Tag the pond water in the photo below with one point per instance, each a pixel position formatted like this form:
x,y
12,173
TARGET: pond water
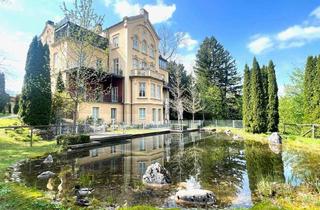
x,y
230,169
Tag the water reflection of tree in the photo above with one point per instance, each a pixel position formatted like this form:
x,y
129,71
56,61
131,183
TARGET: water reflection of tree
x,y
223,167
221,164
262,164
304,165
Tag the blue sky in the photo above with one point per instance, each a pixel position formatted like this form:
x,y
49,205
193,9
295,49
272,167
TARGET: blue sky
x,y
285,31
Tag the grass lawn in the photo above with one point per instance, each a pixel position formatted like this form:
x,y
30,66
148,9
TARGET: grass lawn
x,y
13,149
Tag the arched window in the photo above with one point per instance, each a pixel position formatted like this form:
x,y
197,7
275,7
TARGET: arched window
x,y
151,51
135,42
144,46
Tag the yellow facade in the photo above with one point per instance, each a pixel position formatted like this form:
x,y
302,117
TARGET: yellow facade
x,y
133,54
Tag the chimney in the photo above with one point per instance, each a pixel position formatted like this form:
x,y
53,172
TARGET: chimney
x,y
144,13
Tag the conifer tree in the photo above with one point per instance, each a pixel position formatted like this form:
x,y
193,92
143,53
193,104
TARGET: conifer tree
x,y
246,103
257,100
60,85
309,88
273,102
4,97
35,102
217,68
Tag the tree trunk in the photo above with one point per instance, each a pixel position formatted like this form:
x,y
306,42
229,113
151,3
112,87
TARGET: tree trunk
x,y
75,116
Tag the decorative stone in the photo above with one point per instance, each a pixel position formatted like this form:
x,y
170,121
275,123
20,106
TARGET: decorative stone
x,y
82,202
275,138
237,137
228,132
48,159
46,175
156,176
82,192
195,197
275,148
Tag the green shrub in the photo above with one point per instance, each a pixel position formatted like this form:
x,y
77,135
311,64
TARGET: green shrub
x,y
66,140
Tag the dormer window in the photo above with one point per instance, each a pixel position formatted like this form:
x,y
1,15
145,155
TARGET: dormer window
x,y
144,46
135,42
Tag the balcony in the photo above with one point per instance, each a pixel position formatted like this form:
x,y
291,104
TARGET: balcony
x,y
117,72
147,73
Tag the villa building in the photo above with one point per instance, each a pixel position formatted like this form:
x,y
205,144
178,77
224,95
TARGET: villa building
x,y
137,74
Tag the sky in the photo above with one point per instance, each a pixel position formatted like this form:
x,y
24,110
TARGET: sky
x,y
286,31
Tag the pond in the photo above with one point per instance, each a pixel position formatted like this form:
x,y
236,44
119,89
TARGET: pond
x,y
230,169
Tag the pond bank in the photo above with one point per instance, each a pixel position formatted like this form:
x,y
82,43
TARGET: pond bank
x,y
305,196
16,196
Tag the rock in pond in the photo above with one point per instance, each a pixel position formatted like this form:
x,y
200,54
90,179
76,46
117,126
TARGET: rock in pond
x,y
82,202
156,176
48,159
46,175
195,197
275,138
82,192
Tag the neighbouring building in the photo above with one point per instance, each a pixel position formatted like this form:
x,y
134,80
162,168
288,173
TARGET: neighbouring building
x,y
129,54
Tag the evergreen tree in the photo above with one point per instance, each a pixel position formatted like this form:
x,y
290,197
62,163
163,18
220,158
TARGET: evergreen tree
x,y
16,105
309,88
316,95
264,77
257,100
4,97
60,85
216,66
273,102
246,105
35,103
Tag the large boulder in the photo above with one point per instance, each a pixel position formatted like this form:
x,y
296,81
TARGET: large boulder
x,y
275,138
195,197
156,176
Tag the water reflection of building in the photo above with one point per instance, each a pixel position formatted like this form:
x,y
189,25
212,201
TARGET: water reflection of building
x,y
130,157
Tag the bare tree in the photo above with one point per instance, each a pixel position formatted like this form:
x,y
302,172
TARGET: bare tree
x,y
177,91
193,102
169,41
86,78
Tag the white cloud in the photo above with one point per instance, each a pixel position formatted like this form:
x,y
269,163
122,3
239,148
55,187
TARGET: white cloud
x,y
124,8
260,44
291,37
298,32
14,47
187,42
158,13
316,12
12,5
188,60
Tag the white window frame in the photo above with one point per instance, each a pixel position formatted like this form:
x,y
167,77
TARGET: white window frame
x,y
142,89
135,42
135,63
115,41
114,94
95,113
158,92
154,115
116,64
113,113
142,113
144,46
153,90
151,51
